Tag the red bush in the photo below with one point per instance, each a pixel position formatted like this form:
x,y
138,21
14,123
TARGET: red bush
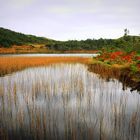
x,y
114,55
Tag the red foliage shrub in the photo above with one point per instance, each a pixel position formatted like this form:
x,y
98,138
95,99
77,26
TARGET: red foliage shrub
x,y
127,58
138,65
138,58
114,55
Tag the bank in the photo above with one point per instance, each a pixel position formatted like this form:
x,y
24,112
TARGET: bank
x,y
124,73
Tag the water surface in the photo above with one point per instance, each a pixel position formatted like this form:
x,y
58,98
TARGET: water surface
x,y
53,55
66,102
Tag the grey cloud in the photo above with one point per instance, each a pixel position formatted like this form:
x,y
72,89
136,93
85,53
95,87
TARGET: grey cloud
x,y
65,19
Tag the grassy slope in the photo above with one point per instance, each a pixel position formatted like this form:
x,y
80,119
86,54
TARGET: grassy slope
x,y
9,38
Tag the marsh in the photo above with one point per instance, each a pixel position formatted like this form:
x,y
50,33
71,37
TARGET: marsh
x,y
66,101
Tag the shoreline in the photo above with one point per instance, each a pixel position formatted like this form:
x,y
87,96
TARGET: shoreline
x,y
12,64
124,75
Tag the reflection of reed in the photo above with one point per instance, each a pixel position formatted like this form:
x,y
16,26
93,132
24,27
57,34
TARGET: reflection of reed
x,y
65,101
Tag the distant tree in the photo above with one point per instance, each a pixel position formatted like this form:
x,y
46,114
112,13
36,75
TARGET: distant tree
x,y
126,32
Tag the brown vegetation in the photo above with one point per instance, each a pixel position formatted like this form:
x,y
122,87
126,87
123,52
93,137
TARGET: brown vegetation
x,y
13,64
123,74
37,48
24,49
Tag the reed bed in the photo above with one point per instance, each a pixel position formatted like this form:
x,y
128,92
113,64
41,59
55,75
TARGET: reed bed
x,y
123,74
105,71
66,102
13,64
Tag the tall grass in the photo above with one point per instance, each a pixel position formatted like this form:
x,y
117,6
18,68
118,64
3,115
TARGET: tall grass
x,y
66,102
13,64
123,74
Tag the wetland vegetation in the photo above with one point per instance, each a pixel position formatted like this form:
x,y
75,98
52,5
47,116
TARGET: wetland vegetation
x,y
65,101
14,42
69,98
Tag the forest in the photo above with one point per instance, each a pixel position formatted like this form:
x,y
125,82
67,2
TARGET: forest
x,y
126,43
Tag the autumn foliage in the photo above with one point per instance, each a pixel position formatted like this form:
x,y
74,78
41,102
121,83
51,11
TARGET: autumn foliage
x,y
120,58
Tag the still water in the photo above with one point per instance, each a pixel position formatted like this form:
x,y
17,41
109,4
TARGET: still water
x,y
52,55
66,102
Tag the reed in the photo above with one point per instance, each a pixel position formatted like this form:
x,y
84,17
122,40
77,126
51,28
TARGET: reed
x,y
66,102
123,74
105,71
13,64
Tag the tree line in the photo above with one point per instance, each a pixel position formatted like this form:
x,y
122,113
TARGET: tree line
x,y
126,43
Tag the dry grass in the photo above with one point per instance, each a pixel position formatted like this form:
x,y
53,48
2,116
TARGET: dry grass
x,y
99,111
123,73
105,71
13,64
37,48
23,49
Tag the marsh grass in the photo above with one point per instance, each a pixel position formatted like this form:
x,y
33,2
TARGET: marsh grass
x,y
105,71
66,102
123,74
13,64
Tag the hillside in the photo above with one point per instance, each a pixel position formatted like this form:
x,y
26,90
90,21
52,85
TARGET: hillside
x,y
125,43
33,44
9,38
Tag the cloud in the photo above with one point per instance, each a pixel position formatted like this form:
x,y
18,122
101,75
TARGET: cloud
x,y
108,7
17,4
73,6
64,19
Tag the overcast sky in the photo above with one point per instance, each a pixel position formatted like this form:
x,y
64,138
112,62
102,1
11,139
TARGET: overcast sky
x,y
71,19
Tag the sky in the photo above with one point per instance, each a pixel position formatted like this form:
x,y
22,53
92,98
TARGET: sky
x,y
71,19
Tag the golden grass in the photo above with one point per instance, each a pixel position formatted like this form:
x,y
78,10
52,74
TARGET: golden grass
x,y
37,48
105,71
13,64
23,49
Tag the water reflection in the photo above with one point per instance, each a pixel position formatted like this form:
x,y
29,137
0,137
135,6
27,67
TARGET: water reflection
x,y
65,101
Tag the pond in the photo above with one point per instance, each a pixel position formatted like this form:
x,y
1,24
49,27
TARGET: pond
x,y
52,55
66,102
